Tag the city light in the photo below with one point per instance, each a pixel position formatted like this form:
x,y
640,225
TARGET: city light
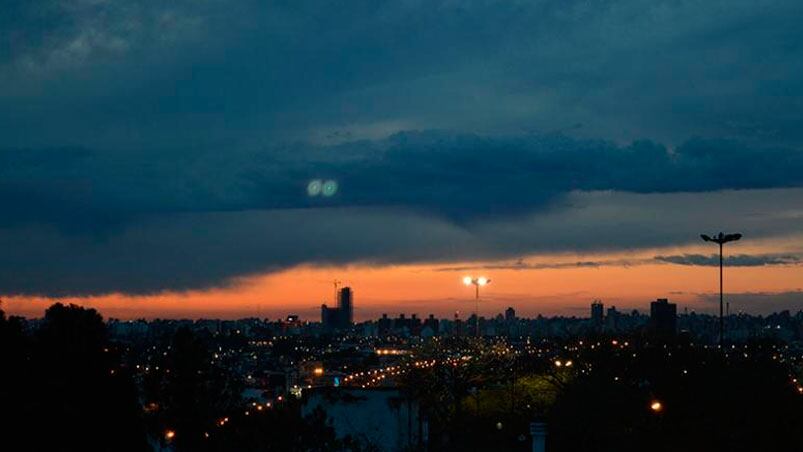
x,y
318,371
477,282
656,406
170,434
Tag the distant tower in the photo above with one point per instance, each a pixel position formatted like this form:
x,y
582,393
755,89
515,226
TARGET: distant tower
x,y
597,309
663,318
345,303
612,319
325,321
510,314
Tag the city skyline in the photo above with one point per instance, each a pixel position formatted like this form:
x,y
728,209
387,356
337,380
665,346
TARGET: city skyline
x,y
754,289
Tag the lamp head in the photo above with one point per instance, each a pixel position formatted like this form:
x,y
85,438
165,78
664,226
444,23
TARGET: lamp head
x,y
731,237
467,280
483,280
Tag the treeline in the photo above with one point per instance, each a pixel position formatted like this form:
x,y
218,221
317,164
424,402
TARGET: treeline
x,y
64,386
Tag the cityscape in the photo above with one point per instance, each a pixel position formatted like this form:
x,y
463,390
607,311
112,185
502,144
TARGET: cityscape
x,y
401,226
404,382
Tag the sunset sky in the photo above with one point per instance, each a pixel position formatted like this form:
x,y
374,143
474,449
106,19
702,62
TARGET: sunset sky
x,y
199,159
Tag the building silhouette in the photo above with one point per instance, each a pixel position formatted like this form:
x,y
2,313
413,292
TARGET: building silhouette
x,y
510,314
342,316
345,303
612,320
597,310
663,319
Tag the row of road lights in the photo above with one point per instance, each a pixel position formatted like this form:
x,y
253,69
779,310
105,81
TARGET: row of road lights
x,y
721,239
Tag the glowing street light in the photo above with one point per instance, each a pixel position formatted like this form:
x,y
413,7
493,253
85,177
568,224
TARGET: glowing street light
x,y
721,239
477,282
656,406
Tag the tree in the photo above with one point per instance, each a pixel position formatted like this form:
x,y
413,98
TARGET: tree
x,y
72,393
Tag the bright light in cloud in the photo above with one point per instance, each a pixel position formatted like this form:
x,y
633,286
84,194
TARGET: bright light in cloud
x,y
314,187
329,188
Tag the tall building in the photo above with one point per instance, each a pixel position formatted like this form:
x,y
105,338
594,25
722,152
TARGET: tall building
x,y
345,303
612,319
326,316
342,316
597,310
510,314
663,318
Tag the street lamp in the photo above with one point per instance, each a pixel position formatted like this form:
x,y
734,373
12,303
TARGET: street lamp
x,y
477,282
721,239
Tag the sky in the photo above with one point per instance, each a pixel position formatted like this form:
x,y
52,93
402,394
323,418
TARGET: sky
x,y
209,158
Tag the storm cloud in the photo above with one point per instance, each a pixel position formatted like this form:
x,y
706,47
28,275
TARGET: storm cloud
x,y
459,177
150,146
203,75
212,249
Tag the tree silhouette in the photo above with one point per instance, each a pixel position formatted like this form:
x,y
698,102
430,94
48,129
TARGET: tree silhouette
x,y
69,390
191,394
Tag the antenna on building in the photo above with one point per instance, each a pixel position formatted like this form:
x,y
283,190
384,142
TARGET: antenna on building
x,y
336,283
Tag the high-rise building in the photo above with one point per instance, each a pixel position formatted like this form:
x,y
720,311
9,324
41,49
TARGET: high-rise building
x,y
597,310
342,316
612,319
663,318
325,320
345,303
510,314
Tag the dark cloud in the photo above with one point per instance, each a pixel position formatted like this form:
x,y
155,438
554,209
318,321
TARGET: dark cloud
x,y
199,74
143,143
461,177
738,260
196,250
524,265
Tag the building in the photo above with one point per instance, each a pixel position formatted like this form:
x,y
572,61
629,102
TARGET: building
x,y
612,320
341,317
384,325
597,310
510,314
663,318
345,303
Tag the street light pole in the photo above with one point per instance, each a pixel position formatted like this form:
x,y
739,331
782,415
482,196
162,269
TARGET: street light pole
x,y
721,239
477,282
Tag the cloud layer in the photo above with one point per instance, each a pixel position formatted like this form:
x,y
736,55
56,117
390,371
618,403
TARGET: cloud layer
x,y
207,249
460,177
738,260
200,74
148,146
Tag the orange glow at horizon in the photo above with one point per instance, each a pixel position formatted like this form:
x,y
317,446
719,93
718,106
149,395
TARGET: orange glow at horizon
x,y
625,280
